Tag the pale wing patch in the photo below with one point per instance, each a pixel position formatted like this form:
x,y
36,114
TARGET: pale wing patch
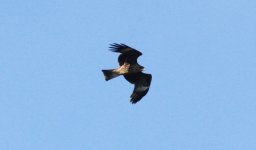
x,y
142,88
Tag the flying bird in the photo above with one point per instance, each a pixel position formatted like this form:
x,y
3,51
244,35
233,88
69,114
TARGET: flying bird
x,y
131,70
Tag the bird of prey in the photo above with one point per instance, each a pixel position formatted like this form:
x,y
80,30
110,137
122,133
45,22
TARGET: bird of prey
x,y
131,70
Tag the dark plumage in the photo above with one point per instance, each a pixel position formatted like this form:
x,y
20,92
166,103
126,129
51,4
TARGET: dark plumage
x,y
128,54
131,71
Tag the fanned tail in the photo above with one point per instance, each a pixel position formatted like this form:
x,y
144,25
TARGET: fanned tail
x,y
109,74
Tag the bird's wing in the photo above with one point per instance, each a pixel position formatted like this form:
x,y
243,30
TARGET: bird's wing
x,y
142,83
132,77
128,54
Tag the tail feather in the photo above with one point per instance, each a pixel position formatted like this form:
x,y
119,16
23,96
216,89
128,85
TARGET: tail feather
x,y
109,74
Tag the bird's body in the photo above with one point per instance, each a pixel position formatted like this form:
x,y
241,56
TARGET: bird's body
x,y
126,68
131,70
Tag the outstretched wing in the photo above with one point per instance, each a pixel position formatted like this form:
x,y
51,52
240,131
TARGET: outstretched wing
x,y
142,83
128,54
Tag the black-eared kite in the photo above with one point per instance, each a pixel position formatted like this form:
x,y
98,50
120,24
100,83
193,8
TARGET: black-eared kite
x,y
131,70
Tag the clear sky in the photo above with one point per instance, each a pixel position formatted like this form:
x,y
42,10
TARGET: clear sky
x,y
202,55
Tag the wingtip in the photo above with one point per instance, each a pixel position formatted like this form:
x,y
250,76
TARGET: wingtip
x,y
115,47
133,102
134,98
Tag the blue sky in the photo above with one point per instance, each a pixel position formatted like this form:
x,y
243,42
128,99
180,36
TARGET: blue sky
x,y
202,55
